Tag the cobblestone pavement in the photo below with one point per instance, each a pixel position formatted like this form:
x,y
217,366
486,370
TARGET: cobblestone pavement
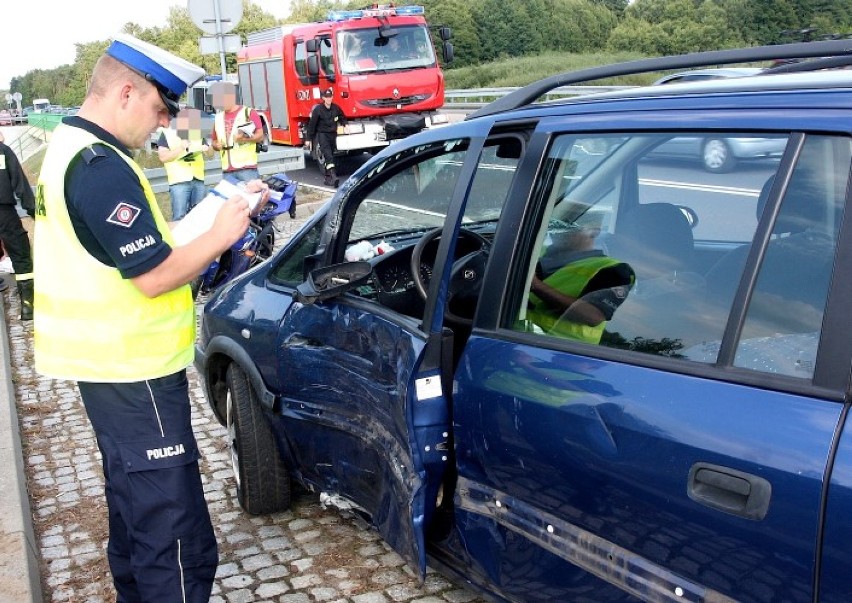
x,y
306,554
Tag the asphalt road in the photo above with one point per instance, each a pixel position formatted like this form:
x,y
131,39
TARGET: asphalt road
x,y
346,166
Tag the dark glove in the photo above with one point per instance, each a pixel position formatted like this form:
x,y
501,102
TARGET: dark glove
x,y
31,212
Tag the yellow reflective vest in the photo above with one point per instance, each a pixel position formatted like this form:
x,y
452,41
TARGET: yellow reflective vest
x,y
186,168
570,280
90,323
239,155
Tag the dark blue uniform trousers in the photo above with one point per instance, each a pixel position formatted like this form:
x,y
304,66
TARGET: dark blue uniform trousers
x,y
161,543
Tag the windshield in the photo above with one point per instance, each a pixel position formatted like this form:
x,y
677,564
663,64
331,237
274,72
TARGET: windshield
x,y
364,50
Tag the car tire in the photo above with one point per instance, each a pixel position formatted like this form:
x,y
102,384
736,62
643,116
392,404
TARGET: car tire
x,y
263,480
316,155
716,156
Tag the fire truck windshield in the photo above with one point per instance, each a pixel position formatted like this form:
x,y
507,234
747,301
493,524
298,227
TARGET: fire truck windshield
x,y
364,50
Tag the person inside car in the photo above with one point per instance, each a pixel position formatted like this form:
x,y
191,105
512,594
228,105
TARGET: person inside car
x,y
577,288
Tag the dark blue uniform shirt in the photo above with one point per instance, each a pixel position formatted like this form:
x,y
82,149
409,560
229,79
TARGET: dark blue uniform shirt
x,y
108,208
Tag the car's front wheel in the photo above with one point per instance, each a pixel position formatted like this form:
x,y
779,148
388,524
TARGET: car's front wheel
x,y
716,155
263,480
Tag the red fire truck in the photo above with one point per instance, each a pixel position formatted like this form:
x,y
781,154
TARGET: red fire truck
x,y
380,62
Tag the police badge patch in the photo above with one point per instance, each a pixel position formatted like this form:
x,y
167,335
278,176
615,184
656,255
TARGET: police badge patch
x,y
124,214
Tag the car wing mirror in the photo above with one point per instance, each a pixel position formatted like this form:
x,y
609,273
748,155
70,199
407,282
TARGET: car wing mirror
x,y
331,281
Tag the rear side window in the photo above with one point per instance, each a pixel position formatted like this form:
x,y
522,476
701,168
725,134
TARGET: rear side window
x,y
784,318
645,251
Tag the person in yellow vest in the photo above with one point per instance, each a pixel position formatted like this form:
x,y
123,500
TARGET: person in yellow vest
x,y
114,312
236,131
181,149
578,288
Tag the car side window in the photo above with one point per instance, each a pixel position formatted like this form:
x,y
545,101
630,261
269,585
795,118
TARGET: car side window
x,y
784,319
412,199
290,267
645,252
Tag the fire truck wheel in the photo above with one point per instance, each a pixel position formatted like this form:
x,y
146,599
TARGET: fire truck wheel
x,y
316,155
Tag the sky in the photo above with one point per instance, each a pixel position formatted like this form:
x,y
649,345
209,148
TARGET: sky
x,y
44,34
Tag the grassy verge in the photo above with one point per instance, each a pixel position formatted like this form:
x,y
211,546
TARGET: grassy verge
x,y
519,71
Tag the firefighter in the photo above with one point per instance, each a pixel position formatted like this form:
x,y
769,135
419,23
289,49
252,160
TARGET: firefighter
x,y
114,312
327,120
14,184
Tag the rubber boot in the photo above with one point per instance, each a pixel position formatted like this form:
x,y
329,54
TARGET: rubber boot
x,y
25,292
335,181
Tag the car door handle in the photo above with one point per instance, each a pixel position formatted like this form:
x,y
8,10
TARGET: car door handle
x,y
729,490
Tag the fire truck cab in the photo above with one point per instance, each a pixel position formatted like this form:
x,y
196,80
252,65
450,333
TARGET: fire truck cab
x,y
379,61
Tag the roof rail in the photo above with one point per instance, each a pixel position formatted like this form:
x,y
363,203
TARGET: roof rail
x,y
528,94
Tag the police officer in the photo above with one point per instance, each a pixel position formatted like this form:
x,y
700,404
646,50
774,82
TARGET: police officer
x,y
578,288
14,183
323,125
113,311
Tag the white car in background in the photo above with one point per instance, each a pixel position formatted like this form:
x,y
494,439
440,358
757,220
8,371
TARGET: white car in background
x,y
717,153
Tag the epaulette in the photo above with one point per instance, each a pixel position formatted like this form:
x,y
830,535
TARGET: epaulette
x,y
89,154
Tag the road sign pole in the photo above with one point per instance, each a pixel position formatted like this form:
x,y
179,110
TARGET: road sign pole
x,y
219,35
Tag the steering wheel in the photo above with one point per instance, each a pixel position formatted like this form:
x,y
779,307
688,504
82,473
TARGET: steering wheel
x,y
466,274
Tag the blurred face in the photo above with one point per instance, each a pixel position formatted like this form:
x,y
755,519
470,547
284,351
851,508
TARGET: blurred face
x,y
224,96
188,123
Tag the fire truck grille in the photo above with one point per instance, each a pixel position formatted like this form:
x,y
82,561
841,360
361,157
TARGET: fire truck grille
x,y
381,103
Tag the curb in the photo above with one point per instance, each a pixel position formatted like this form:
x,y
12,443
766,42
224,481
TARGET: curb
x,y
20,580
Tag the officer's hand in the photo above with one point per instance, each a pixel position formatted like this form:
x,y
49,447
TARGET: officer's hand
x,y
232,221
308,145
258,186
31,212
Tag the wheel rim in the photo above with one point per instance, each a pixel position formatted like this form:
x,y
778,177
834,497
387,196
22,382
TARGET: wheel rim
x,y
232,437
715,154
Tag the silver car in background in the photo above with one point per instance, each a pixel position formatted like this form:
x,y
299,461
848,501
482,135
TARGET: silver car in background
x,y
718,154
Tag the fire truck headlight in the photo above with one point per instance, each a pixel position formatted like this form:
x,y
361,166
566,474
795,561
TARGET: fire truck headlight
x,y
354,129
439,118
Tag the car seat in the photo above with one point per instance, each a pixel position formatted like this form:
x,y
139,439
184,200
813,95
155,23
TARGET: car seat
x,y
800,212
658,316
795,271
655,239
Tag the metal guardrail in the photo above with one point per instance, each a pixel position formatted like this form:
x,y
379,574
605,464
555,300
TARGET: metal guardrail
x,y
276,159
479,97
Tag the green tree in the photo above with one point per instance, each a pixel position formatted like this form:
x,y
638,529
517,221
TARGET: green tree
x,y
576,26
456,15
504,28
661,27
312,11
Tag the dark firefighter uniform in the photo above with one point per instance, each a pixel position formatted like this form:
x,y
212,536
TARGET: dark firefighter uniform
x,y
98,226
322,128
14,182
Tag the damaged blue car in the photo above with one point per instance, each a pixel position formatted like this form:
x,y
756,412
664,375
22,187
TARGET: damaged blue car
x,y
547,361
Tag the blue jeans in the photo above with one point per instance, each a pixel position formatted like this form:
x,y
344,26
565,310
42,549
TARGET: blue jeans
x,y
185,196
244,174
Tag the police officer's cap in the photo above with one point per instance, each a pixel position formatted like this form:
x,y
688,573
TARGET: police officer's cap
x,y
170,74
328,93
